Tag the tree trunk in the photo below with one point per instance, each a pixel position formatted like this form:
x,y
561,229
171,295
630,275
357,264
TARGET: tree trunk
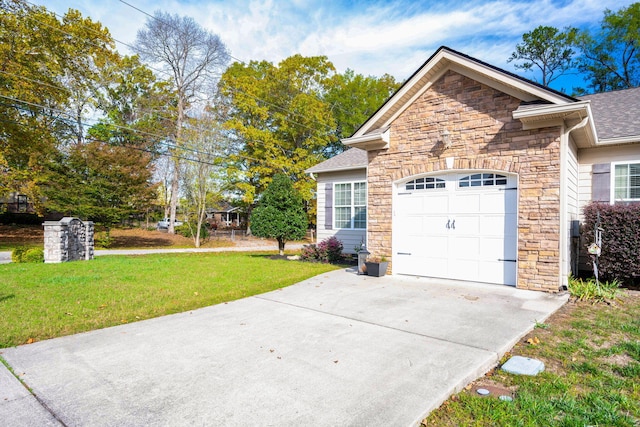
x,y
175,183
249,210
281,243
174,197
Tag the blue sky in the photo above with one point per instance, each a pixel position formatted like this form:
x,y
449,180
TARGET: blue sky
x,y
370,37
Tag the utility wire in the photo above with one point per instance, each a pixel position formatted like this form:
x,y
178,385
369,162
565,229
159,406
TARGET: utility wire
x,y
162,139
331,130
230,56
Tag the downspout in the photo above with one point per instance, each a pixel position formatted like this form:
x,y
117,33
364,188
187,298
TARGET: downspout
x,y
564,148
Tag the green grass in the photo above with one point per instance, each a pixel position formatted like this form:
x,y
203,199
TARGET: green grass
x,y
10,246
592,356
41,301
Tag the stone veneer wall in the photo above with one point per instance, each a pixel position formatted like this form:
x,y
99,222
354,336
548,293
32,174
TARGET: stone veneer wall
x,y
69,239
485,136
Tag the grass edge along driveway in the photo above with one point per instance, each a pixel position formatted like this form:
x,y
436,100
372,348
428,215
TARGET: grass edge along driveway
x,y
591,352
42,301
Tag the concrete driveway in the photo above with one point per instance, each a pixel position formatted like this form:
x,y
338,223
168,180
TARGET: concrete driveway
x,y
338,349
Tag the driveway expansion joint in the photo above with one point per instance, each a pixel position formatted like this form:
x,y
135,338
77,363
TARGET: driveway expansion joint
x,y
379,325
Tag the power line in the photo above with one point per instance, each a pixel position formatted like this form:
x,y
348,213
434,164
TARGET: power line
x,y
233,57
147,150
170,75
162,139
73,121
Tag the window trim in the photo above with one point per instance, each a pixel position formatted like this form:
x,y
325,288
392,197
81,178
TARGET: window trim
x,y
353,206
484,181
438,183
612,181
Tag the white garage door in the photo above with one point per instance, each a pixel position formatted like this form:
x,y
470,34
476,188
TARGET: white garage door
x,y
457,226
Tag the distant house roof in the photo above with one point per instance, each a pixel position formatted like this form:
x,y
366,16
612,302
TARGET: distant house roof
x,y
616,114
222,207
353,158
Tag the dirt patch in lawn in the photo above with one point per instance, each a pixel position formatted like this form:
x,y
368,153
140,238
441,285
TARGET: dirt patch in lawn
x,y
121,238
21,234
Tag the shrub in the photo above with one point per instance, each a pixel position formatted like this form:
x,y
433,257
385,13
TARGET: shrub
x,y
590,290
310,253
24,254
16,255
329,250
33,255
189,230
620,253
103,240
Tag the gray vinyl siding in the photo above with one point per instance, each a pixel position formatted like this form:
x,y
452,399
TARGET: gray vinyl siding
x,y
349,238
587,158
572,206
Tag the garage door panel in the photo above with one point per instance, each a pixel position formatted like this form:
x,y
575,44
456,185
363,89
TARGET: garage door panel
x,y
492,225
435,247
494,203
411,225
465,225
466,270
435,224
492,249
465,203
501,270
410,205
466,248
421,265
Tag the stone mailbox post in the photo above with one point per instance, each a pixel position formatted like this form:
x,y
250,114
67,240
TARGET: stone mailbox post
x,y
69,239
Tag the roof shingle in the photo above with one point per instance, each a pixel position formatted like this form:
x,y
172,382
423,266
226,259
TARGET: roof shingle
x,y
353,158
616,114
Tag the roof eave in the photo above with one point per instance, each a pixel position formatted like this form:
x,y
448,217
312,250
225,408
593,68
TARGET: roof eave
x,y
336,169
447,59
568,115
371,141
619,140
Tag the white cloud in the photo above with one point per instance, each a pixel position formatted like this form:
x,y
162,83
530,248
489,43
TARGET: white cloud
x,y
393,37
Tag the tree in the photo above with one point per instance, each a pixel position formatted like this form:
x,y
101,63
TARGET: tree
x,y
280,213
353,99
100,182
610,58
41,60
276,121
548,50
192,56
199,179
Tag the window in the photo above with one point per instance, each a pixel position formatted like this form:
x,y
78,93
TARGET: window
x,y
350,205
482,180
626,181
425,184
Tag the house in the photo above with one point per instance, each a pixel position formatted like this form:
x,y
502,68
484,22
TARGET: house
x,y
224,215
471,173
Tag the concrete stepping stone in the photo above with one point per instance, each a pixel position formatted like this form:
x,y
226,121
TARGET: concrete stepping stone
x,y
523,366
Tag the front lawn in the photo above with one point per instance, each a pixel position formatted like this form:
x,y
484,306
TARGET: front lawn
x,y
591,353
41,301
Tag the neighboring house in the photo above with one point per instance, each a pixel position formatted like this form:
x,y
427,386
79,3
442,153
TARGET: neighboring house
x,y
225,215
473,173
17,204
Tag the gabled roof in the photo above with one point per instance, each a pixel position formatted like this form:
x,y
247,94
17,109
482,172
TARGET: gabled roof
x,y
436,66
222,206
353,158
616,114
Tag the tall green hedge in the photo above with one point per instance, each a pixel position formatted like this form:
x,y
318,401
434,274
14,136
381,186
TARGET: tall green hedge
x,y
620,253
